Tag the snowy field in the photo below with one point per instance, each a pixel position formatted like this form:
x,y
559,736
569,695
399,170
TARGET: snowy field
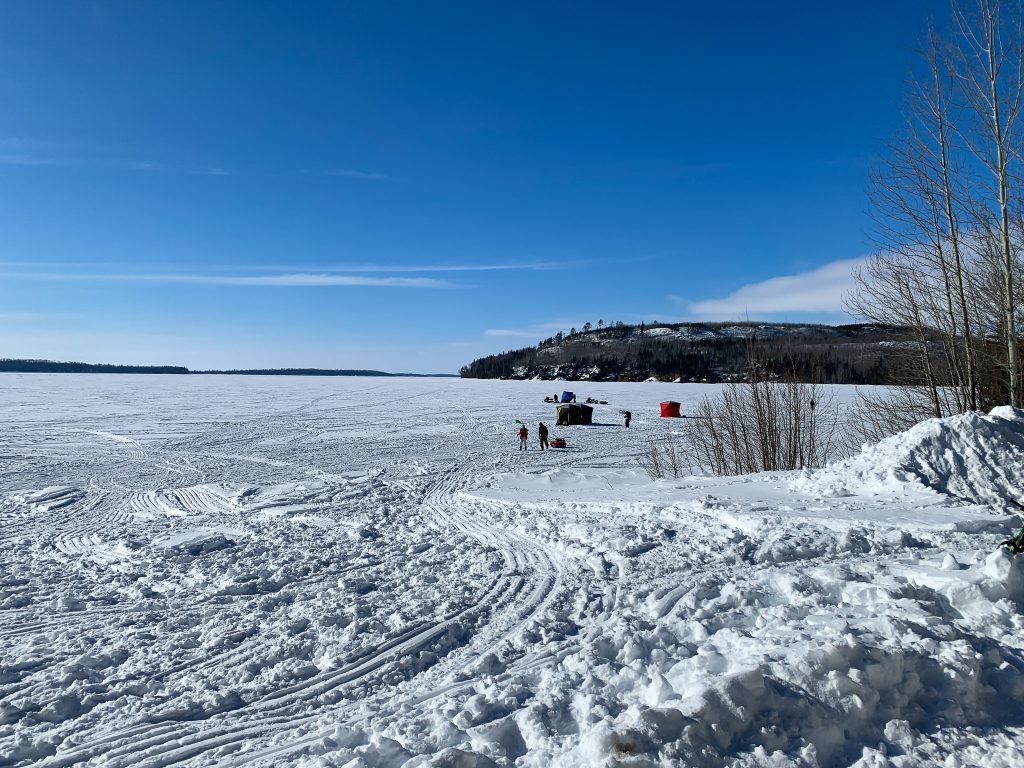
x,y
244,571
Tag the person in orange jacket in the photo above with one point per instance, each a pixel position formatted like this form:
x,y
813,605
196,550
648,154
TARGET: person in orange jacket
x,y
523,434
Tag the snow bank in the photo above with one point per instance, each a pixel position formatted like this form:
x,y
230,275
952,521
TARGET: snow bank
x,y
787,666
974,457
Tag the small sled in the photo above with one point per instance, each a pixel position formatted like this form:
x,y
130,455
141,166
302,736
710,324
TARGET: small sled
x,y
557,442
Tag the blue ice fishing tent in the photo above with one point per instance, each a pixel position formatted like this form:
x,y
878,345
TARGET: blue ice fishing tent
x,y
567,397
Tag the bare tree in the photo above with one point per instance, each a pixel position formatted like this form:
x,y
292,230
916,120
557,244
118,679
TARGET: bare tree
x,y
946,198
990,75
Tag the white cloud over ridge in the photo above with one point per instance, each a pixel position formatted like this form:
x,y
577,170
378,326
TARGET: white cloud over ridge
x,y
819,291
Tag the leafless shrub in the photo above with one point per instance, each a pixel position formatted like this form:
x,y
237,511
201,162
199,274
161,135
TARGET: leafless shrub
x,y
661,458
877,414
761,426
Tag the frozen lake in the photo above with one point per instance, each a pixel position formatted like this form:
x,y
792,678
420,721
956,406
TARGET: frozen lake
x,y
270,570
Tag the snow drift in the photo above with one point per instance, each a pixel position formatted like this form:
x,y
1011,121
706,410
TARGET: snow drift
x,y
974,457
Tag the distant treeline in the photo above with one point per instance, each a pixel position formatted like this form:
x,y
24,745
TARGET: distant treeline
x,y
705,352
293,372
50,366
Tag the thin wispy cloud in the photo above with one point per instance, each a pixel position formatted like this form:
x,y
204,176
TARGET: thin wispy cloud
x,y
18,159
25,160
22,143
510,332
413,268
20,152
316,269
16,151
352,173
293,280
338,280
26,316
560,326
155,167
537,331
819,290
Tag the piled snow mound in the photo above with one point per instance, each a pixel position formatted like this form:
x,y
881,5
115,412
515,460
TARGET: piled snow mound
x,y
803,667
970,456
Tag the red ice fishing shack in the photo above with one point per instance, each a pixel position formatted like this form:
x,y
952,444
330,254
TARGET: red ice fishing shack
x,y
670,410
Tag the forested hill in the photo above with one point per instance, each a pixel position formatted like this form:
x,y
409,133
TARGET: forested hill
x,y
711,352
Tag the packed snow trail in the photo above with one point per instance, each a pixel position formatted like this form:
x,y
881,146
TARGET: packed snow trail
x,y
365,572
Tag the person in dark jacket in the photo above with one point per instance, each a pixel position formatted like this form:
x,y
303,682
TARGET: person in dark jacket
x,y
626,415
542,432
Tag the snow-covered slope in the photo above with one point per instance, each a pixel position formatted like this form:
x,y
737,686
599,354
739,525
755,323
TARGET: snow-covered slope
x,y
365,572
975,457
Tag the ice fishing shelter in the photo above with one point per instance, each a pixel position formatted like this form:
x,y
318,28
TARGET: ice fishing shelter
x,y
670,410
568,414
568,396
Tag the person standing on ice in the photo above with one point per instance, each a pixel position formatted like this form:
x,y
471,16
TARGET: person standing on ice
x,y
523,434
542,433
626,415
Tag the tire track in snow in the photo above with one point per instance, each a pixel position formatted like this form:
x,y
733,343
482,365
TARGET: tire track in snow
x,y
529,566
539,569
154,743
25,513
267,715
487,614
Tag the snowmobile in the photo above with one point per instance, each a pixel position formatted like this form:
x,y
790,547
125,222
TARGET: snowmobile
x,y
1016,542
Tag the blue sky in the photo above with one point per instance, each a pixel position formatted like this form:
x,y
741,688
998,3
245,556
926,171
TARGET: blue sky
x,y
407,186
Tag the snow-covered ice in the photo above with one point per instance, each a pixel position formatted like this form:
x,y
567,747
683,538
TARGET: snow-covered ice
x,y
366,572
